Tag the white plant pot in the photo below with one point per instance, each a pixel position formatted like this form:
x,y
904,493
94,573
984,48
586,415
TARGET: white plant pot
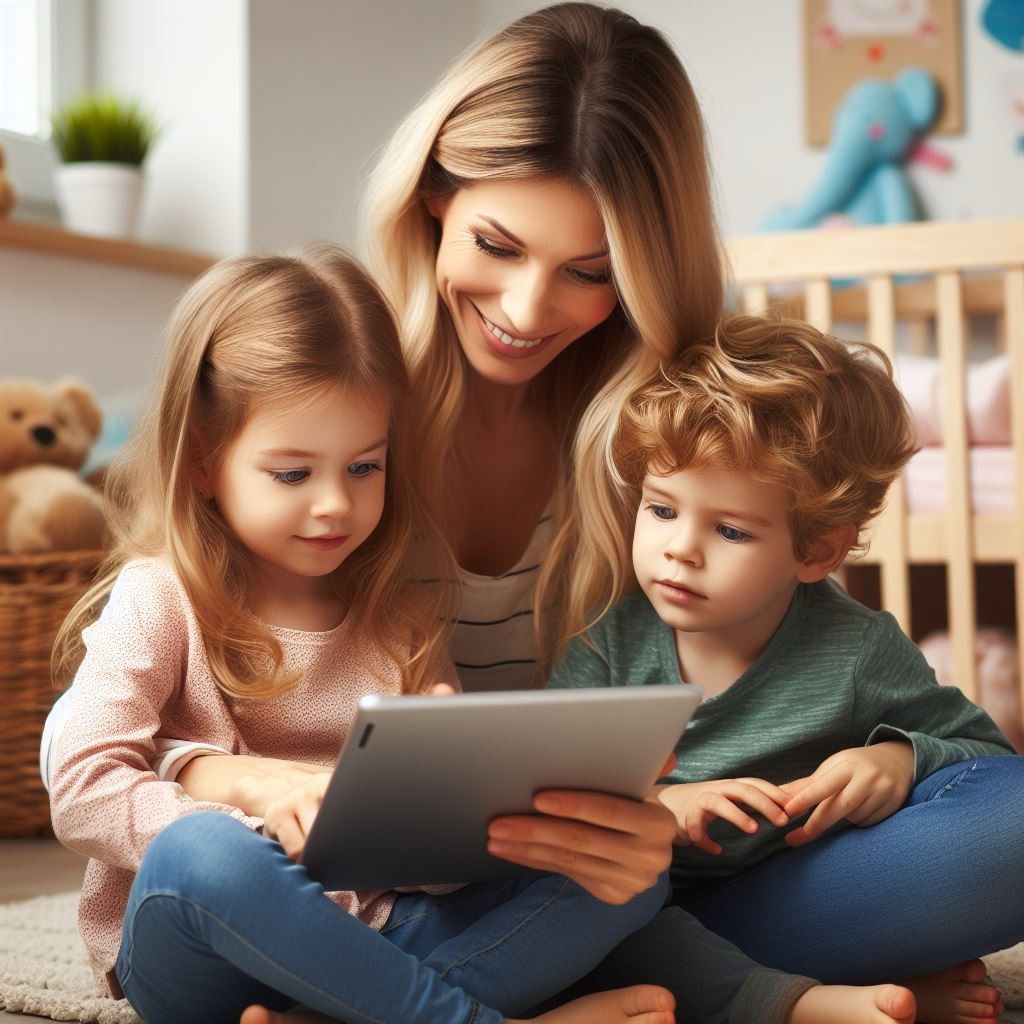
x,y
97,198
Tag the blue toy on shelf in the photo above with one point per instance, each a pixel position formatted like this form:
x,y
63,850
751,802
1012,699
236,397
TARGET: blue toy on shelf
x,y
875,131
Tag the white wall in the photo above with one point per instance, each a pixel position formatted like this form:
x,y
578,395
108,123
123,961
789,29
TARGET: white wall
x,y
186,59
65,316
328,82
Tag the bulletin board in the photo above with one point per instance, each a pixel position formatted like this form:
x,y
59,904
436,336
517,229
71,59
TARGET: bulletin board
x,y
847,40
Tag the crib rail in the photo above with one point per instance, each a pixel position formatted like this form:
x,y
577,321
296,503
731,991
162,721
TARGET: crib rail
x,y
958,270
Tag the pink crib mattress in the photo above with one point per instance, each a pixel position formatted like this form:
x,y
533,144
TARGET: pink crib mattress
x,y
992,471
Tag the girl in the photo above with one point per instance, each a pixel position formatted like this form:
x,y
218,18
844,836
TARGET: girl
x,y
257,588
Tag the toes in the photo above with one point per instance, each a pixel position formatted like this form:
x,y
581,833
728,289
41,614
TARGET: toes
x,y
971,970
896,1001
254,1015
644,999
973,1012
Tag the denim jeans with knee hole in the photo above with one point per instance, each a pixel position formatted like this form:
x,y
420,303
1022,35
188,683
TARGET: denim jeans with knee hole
x,y
219,918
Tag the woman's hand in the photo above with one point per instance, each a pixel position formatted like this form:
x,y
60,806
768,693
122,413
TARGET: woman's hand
x,y
864,785
290,816
696,804
613,847
244,781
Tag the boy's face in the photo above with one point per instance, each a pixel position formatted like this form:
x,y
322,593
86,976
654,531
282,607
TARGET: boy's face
x,y
302,486
713,551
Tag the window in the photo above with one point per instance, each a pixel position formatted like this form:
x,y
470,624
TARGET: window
x,y
45,59
25,94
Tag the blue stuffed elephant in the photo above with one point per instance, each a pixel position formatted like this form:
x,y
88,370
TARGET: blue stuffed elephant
x,y
874,131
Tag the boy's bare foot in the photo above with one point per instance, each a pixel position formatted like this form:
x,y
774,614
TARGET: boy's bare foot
x,y
639,1004
958,995
261,1015
848,1004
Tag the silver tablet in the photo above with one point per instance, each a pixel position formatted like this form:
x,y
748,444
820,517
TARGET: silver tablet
x,y
420,777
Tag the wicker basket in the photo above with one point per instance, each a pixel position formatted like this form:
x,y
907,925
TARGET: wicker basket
x,y
36,592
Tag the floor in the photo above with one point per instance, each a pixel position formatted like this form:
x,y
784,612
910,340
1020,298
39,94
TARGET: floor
x,y
35,867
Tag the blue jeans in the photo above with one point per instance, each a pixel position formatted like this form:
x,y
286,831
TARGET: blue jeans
x,y
934,884
219,917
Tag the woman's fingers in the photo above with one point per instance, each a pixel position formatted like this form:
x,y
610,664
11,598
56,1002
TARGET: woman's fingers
x,y
649,819
607,880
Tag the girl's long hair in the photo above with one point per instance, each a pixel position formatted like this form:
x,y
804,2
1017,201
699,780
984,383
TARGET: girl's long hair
x,y
586,95
255,330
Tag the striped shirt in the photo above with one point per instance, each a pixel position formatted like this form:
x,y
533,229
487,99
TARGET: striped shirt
x,y
492,643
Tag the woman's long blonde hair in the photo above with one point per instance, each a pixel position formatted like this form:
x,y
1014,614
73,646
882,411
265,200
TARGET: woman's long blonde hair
x,y
254,330
587,95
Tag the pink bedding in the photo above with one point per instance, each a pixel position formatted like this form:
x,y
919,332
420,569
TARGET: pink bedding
x,y
992,471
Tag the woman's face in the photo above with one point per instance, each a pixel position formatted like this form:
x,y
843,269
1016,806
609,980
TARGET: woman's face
x,y
523,268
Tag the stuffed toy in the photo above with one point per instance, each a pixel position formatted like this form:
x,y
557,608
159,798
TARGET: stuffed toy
x,y
45,435
875,132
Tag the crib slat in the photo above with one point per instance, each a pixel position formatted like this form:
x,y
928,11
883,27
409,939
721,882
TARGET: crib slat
x,y
889,537
1013,317
755,298
818,305
960,558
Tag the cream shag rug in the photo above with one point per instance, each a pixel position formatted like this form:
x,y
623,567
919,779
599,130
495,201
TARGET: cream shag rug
x,y
44,970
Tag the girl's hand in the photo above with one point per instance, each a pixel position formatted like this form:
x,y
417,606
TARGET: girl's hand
x,y
613,847
290,816
863,785
696,804
242,780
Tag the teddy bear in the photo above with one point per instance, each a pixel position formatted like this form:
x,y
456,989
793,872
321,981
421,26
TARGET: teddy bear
x,y
45,434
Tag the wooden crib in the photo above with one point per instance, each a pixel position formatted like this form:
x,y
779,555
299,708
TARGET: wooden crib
x,y
921,286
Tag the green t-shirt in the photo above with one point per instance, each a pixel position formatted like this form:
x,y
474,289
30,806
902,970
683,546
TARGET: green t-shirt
x,y
835,675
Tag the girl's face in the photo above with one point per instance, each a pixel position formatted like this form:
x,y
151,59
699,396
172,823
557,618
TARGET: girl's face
x,y
523,268
302,486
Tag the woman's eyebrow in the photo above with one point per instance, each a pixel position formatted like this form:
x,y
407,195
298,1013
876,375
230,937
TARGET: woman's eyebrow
x,y
497,225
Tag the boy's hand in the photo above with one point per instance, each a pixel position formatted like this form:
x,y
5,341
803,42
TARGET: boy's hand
x,y
864,785
695,804
290,816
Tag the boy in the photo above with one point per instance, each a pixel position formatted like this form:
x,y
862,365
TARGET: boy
x,y
755,463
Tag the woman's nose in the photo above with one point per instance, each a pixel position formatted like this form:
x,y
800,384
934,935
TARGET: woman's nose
x,y
525,302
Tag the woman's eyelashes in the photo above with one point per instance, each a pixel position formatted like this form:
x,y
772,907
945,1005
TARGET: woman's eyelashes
x,y
293,477
501,252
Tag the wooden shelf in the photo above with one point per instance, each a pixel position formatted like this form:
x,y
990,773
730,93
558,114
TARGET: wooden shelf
x,y
48,238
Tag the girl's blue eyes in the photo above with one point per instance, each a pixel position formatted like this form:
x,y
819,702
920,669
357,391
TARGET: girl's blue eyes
x,y
662,512
291,477
500,252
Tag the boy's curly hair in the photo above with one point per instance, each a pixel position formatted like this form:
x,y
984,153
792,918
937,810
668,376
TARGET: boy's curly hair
x,y
786,403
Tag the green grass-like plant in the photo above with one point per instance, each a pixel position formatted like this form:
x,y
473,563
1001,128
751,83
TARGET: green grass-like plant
x,y
100,126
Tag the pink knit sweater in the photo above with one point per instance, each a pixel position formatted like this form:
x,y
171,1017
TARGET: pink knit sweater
x,y
145,672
